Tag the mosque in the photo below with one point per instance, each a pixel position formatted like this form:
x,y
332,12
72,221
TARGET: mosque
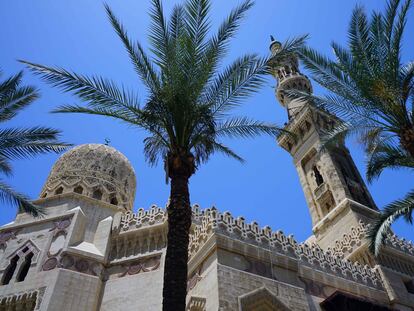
x,y
91,252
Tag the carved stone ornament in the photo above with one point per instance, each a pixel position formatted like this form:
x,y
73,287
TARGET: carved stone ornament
x,y
5,236
141,266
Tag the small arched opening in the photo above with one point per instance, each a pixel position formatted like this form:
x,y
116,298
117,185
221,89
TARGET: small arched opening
x,y
78,189
114,201
318,176
24,269
8,274
59,190
97,194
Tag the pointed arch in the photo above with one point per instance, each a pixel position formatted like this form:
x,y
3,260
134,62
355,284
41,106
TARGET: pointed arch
x,y
261,299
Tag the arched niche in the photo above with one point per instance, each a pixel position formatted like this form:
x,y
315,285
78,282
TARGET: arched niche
x,y
261,300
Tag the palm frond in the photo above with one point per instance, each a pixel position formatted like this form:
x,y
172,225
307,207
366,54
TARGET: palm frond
x,y
217,46
387,156
5,167
15,101
159,36
218,147
243,127
398,31
155,148
96,91
241,79
197,23
125,115
359,40
139,59
380,228
10,196
17,143
10,84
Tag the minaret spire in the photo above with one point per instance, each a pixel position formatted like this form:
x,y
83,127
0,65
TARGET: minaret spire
x,y
287,73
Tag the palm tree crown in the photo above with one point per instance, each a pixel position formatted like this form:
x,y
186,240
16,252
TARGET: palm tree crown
x,y
18,143
373,92
187,110
189,102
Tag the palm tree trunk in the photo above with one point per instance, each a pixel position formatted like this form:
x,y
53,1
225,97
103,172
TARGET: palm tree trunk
x,y
179,223
407,140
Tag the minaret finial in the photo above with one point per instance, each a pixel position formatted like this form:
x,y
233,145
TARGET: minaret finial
x,y
272,38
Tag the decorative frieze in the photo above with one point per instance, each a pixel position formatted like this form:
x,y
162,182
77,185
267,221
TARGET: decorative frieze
x,y
74,263
141,266
24,301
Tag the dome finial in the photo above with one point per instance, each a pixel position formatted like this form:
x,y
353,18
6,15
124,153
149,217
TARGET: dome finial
x,y
272,38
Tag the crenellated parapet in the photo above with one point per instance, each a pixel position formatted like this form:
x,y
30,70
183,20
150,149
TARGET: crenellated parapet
x,y
143,218
210,221
214,222
356,235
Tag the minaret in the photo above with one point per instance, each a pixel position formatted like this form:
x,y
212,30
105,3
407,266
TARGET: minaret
x,y
335,192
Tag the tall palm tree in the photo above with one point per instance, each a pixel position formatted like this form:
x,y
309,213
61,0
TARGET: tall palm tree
x,y
373,92
18,143
187,109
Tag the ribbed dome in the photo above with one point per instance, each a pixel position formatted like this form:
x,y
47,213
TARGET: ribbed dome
x,y
94,170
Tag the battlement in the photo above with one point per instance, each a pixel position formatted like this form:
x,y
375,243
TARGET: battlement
x,y
210,221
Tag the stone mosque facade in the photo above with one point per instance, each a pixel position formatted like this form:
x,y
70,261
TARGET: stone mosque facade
x,y
91,252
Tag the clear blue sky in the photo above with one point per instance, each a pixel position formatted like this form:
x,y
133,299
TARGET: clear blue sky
x,y
76,35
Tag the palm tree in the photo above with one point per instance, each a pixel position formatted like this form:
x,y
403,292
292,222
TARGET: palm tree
x,y
187,109
373,92
18,143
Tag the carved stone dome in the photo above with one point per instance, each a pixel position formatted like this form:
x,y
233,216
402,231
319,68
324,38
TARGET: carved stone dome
x,y
96,171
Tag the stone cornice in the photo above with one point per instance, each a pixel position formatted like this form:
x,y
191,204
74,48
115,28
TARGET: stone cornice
x,y
338,209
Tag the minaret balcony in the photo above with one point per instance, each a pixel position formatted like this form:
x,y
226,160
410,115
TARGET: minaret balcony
x,y
320,191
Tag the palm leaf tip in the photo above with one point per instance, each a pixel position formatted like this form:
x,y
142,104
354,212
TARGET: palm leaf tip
x,y
9,196
381,226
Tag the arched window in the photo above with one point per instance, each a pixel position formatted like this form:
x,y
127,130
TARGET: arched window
x,y
114,201
8,274
97,194
318,176
78,189
59,190
24,269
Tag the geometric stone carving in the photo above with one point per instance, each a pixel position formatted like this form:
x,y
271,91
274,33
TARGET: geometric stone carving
x,y
92,168
196,304
261,300
142,265
353,239
24,301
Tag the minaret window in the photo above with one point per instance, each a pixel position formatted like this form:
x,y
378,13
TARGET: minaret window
x,y
8,274
25,268
318,176
59,190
